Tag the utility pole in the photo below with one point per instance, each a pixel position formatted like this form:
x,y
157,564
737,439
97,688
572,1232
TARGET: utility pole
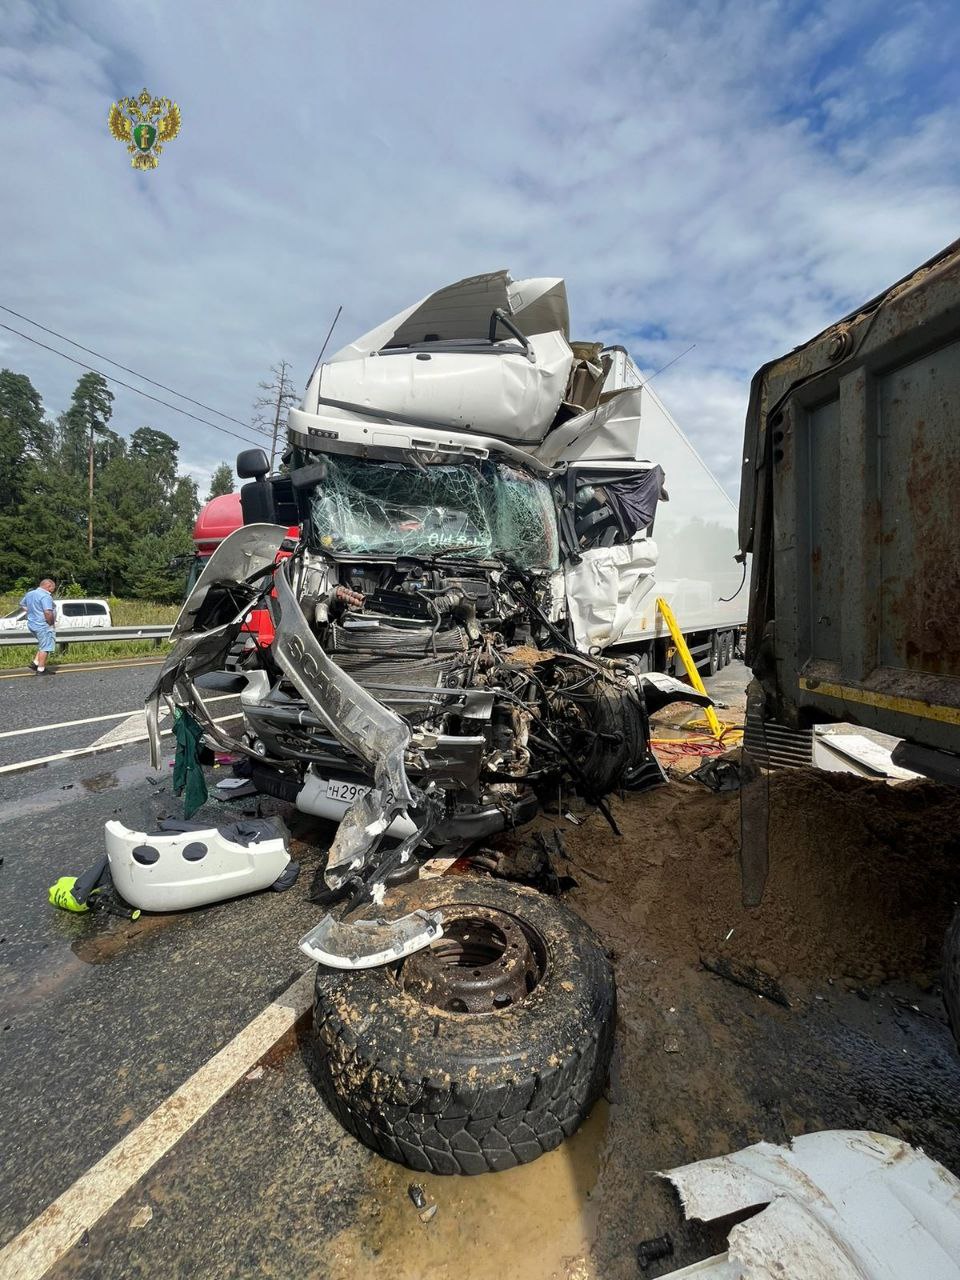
x,y
89,412
90,490
280,395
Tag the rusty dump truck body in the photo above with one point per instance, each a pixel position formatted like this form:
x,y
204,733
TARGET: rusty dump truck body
x,y
850,506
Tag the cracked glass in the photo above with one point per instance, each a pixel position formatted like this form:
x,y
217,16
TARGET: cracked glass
x,y
489,510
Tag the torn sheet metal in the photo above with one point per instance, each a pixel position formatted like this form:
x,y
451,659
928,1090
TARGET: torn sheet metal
x,y
611,430
363,725
462,310
841,1205
606,588
365,944
660,690
240,555
539,305
499,389
210,621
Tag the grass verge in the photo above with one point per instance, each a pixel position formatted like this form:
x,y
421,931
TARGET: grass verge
x,y
20,655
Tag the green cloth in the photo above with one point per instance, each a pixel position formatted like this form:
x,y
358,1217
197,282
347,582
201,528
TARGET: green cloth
x,y
187,771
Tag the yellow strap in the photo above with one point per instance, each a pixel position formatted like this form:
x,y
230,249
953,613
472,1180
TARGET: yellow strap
x,y
689,665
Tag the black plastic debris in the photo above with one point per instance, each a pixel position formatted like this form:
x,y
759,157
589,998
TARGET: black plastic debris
x,y
417,1194
718,774
653,1250
533,862
742,975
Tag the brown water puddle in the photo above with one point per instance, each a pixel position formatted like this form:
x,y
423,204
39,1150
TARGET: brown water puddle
x,y
536,1220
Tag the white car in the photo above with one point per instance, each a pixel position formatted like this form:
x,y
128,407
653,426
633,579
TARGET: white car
x,y
71,615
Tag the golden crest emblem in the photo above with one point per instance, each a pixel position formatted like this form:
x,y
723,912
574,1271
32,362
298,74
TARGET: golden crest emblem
x,y
144,123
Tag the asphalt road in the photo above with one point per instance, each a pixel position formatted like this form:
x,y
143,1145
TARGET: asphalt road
x,y
102,1019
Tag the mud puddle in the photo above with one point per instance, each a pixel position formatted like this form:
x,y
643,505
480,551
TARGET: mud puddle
x,y
536,1220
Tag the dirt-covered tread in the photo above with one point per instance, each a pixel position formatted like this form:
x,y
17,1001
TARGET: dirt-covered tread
x,y
469,1093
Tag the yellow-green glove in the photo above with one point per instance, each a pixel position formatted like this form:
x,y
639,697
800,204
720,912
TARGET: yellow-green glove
x,y
61,895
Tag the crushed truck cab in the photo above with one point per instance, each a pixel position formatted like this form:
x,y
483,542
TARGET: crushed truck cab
x,y
476,497
460,570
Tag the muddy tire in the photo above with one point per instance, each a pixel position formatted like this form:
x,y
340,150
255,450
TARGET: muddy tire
x,y
422,1082
951,975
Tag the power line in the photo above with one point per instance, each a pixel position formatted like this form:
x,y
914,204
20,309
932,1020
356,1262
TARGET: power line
x,y
117,365
120,383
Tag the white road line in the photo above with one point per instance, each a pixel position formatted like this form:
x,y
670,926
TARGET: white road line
x,y
87,751
133,725
115,715
82,667
57,1229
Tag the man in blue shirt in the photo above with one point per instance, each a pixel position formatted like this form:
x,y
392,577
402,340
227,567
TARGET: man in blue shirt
x,y
41,616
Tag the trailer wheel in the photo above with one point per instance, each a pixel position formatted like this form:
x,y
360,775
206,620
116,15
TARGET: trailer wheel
x,y
484,1050
726,648
713,661
951,975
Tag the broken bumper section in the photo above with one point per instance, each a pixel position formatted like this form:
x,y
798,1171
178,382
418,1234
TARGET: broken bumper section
x,y
364,944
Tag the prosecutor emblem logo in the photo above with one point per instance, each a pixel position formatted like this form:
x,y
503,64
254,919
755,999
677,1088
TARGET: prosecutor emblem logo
x,y
144,123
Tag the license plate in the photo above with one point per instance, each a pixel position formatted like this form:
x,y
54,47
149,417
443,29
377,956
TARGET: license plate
x,y
347,792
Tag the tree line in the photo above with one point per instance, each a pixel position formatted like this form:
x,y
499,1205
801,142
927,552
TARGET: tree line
x,y
92,508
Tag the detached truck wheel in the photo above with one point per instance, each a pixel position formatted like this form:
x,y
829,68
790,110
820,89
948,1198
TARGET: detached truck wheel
x,y
481,1052
951,975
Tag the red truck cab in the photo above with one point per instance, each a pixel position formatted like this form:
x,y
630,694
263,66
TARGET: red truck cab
x,y
218,518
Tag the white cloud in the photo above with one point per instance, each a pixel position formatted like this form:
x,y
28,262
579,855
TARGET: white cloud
x,y
715,174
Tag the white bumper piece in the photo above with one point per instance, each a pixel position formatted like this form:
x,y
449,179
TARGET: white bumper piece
x,y
365,944
175,870
841,1205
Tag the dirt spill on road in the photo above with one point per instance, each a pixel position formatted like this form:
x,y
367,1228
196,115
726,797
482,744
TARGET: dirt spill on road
x,y
53,798
119,936
536,1220
100,782
55,972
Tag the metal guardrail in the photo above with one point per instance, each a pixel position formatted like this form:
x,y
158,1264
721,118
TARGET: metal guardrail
x,y
84,635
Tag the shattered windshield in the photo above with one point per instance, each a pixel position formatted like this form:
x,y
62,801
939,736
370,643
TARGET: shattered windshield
x,y
486,510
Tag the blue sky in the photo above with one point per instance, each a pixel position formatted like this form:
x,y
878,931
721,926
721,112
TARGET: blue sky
x,y
733,176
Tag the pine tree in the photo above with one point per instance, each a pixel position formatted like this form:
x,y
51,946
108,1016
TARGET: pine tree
x,y
22,433
221,481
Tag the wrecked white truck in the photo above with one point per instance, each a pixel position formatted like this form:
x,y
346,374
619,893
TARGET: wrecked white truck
x,y
464,632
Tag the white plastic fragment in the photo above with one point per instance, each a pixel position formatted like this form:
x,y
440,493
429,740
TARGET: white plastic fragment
x,y
365,944
841,1205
